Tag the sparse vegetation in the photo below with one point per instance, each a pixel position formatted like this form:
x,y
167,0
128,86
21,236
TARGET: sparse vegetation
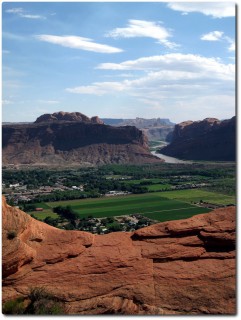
x,y
39,302
14,307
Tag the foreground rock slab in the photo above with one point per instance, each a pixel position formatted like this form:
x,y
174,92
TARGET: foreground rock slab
x,y
177,267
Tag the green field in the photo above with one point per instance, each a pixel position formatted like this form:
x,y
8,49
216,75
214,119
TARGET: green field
x,y
154,206
45,213
160,206
195,195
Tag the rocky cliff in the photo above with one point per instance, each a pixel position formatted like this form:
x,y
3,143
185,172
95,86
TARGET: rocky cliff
x,y
73,139
209,139
68,116
176,267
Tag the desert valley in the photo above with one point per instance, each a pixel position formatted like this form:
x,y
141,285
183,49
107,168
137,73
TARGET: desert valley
x,y
117,210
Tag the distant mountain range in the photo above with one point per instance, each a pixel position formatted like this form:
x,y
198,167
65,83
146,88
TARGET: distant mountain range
x,y
64,138
209,139
139,122
155,129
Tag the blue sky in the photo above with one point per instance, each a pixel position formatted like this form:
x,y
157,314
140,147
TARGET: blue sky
x,y
118,60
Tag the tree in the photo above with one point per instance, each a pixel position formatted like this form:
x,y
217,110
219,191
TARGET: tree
x,y
115,227
67,213
51,221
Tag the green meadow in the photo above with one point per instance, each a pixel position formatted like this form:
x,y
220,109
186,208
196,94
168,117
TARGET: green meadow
x,y
153,205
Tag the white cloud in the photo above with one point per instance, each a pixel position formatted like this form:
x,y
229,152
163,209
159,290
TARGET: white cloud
x,y
172,82
218,36
78,43
231,44
214,9
232,47
212,36
99,88
5,102
32,16
142,28
23,14
15,10
48,101
176,62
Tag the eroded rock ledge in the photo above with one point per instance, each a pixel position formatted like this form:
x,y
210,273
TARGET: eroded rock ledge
x,y
176,267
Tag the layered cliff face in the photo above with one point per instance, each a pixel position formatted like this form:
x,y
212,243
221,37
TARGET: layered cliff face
x,y
209,139
176,267
52,141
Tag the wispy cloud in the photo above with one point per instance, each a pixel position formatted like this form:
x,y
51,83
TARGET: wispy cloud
x,y
212,36
142,28
176,80
193,64
186,75
99,88
231,44
48,101
15,10
12,36
218,36
194,84
214,9
78,43
23,14
6,102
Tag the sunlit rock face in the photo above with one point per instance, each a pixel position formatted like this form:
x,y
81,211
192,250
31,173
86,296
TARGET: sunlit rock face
x,y
177,267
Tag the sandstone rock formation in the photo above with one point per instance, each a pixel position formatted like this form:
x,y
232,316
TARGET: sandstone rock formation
x,y
176,267
54,141
209,139
68,116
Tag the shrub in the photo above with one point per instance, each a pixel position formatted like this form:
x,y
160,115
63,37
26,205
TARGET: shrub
x,y
14,306
43,302
40,302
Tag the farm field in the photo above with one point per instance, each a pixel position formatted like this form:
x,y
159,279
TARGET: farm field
x,y
195,195
153,206
44,214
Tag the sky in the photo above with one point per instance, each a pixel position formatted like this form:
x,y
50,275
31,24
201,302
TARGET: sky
x,y
171,60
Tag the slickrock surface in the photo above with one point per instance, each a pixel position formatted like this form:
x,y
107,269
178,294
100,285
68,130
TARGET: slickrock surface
x,y
176,267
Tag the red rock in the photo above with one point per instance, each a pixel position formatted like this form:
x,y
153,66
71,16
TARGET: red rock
x,y
209,139
73,139
168,268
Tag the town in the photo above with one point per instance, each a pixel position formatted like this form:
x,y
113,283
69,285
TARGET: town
x,y
39,192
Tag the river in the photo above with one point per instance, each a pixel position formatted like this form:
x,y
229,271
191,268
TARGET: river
x,y
168,159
